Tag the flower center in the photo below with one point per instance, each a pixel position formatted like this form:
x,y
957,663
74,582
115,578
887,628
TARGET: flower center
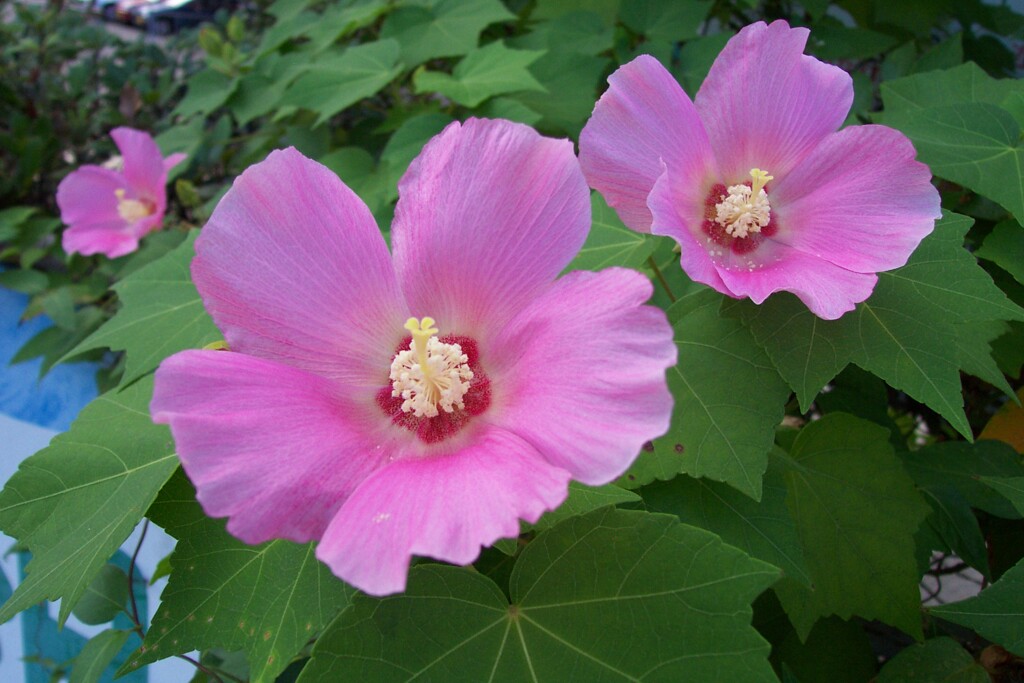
x,y
132,210
430,374
745,210
437,385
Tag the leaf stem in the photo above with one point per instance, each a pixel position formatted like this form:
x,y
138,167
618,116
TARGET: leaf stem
x,y
661,278
131,577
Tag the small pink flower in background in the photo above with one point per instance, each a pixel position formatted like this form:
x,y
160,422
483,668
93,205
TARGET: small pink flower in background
x,y
109,208
752,178
418,403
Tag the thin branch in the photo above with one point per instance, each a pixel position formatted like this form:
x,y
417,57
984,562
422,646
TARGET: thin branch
x,y
661,278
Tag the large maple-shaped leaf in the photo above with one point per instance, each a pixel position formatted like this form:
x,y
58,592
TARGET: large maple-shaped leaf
x,y
74,503
729,398
441,28
964,83
267,599
959,129
161,313
485,72
610,596
907,333
856,512
338,80
997,613
765,530
973,144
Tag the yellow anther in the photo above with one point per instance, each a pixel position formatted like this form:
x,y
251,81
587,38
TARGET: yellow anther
x,y
219,345
760,179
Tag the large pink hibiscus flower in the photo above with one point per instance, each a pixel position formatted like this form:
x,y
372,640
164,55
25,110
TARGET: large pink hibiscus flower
x,y
109,208
335,416
752,178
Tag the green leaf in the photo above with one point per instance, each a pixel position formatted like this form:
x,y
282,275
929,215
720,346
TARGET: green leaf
x,y
207,90
105,597
764,530
74,503
658,20
573,80
1011,488
964,83
357,168
905,333
485,72
583,499
261,90
856,512
997,613
406,143
97,654
445,28
581,32
336,81
608,10
974,345
161,313
835,651
342,19
938,659
966,467
610,242
267,599
974,144
507,108
832,42
1004,247
580,591
954,522
728,397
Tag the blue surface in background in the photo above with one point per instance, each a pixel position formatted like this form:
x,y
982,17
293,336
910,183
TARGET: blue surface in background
x,y
52,401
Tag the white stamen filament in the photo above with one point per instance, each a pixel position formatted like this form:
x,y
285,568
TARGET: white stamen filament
x,y
430,374
746,209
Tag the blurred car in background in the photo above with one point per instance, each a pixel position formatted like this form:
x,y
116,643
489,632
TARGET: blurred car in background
x,y
168,16
123,9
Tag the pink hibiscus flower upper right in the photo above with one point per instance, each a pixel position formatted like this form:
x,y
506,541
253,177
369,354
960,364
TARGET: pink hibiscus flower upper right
x,y
754,179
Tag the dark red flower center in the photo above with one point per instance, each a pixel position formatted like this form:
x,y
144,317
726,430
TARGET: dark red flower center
x,y
720,238
445,424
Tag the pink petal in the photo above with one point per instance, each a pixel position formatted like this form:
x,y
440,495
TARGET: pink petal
x,y
766,105
582,372
858,200
489,213
87,195
173,160
642,120
827,289
111,238
679,213
441,506
292,267
143,162
274,448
